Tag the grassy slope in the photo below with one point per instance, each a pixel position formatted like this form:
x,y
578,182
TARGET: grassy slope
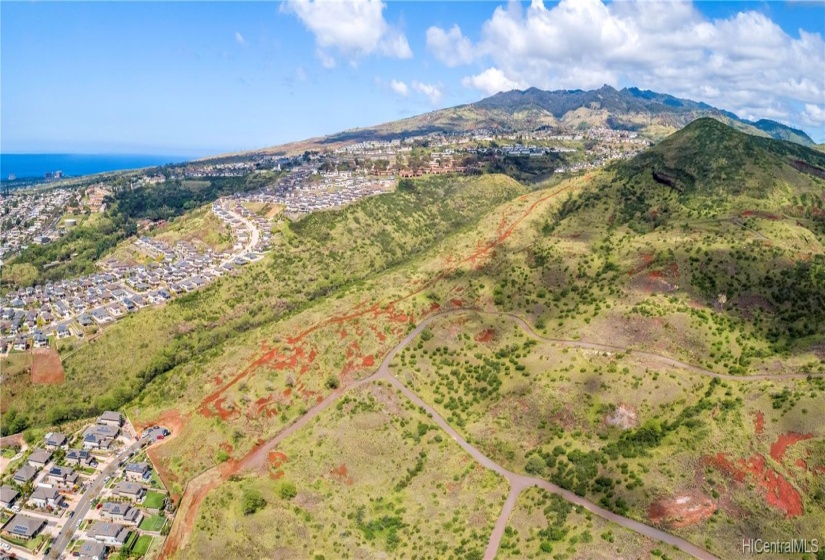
x,y
355,494
315,257
516,400
591,267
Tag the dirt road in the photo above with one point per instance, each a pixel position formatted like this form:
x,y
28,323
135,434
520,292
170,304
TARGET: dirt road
x,y
258,459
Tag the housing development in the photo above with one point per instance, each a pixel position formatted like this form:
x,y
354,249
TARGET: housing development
x,y
90,493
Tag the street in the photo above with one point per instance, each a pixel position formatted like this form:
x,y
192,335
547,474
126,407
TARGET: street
x,y
65,535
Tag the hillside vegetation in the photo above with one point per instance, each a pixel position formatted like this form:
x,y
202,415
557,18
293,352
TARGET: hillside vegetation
x,y
311,259
636,284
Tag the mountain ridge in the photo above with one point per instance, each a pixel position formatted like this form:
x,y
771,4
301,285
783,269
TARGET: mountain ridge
x,y
652,114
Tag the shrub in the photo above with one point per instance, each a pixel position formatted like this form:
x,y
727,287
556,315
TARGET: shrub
x,y
252,501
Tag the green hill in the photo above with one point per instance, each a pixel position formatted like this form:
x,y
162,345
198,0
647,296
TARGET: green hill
x,y
706,156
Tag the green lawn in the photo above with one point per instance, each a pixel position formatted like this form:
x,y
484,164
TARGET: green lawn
x,y
141,545
154,500
8,452
153,523
32,544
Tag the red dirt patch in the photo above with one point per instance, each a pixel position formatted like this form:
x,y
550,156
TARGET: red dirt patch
x,y
485,336
759,422
681,511
341,474
368,361
47,368
783,442
170,419
778,491
456,302
759,214
647,259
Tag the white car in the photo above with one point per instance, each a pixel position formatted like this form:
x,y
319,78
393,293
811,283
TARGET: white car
x,y
107,479
5,546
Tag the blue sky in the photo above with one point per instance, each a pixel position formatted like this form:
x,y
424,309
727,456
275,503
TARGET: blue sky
x,y
199,78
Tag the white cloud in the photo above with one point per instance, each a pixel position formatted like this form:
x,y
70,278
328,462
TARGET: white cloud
x,y
450,47
352,28
491,81
239,38
745,63
432,91
813,115
327,61
399,87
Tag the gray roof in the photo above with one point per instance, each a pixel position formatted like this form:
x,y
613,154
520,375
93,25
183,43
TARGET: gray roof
x,y
56,439
108,530
137,467
116,508
111,416
8,494
24,526
42,493
40,456
25,473
91,549
129,488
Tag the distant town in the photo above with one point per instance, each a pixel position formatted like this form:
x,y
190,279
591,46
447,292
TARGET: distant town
x,y
32,316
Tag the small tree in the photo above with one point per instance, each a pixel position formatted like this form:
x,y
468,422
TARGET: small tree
x,y
287,490
252,501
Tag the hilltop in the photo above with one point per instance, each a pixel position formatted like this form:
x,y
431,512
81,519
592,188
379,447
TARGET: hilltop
x,y
655,115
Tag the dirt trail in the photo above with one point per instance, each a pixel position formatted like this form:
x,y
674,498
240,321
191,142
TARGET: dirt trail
x,y
258,457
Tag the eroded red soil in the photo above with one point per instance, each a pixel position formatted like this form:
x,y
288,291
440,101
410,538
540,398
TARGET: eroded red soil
x,y
341,474
784,441
681,511
485,336
759,422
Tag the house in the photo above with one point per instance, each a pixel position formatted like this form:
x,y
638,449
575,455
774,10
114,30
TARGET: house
x,y
40,340
8,496
121,512
92,550
46,497
63,332
136,471
62,475
135,492
55,440
24,474
94,440
80,457
85,319
112,534
111,418
39,458
21,344
24,527
99,436
101,316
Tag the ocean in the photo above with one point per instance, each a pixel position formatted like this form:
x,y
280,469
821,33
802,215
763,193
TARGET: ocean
x,y
74,165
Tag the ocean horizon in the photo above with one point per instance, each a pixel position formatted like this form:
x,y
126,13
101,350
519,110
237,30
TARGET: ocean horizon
x,y
27,166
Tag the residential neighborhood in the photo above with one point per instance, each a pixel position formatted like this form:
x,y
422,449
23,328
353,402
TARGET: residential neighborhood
x,y
63,496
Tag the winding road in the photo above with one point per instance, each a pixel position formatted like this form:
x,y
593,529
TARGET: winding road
x,y
258,459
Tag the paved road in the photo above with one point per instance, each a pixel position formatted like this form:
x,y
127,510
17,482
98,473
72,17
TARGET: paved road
x,y
259,459
82,508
